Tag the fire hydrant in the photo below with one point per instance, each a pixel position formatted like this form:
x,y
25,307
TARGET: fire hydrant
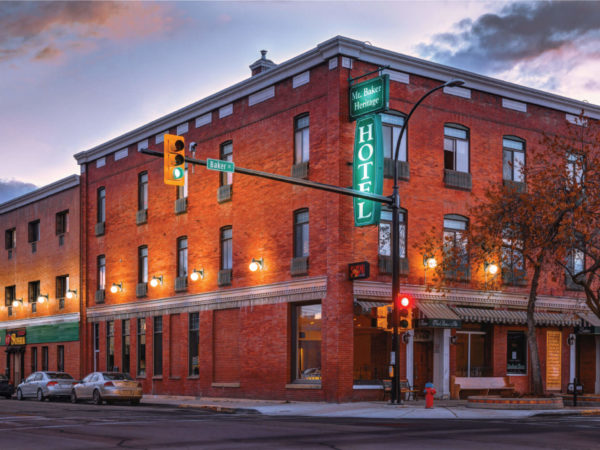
x,y
429,393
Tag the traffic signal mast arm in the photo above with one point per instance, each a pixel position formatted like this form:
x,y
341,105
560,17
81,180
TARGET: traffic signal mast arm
x,y
291,180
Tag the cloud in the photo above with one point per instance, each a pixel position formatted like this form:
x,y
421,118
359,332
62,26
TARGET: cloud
x,y
43,31
10,189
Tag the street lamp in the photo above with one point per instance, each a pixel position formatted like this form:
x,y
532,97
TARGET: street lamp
x,y
395,394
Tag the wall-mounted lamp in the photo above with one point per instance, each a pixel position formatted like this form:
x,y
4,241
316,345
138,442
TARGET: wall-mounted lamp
x,y
72,293
406,338
197,275
429,262
256,264
42,298
491,268
156,280
453,340
571,339
116,287
17,301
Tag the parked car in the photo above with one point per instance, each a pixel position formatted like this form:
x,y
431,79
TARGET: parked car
x,y
109,387
43,385
6,389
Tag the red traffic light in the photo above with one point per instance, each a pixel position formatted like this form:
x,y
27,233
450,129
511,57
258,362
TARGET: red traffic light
x,y
404,302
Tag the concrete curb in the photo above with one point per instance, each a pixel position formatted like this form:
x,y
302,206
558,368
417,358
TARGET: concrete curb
x,y
219,409
580,412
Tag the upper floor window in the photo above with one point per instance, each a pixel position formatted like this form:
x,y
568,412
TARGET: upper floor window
x,y
391,127
62,222
182,191
34,231
575,167
301,233
301,139
385,233
513,262
101,205
182,257
101,272
10,294
455,246
143,264
226,155
226,248
34,293
62,286
456,148
513,159
10,238
143,191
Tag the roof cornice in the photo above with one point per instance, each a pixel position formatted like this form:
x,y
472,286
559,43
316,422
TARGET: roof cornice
x,y
41,193
338,45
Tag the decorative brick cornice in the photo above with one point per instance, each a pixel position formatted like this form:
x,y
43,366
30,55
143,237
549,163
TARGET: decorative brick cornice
x,y
314,288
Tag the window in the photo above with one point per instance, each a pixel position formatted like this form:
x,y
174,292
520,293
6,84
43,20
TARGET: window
x,y
301,139
60,358
143,264
157,341
62,287
34,231
576,265
33,359
141,347
182,191
575,167
516,353
62,222
193,343
473,353
10,238
513,262
44,358
9,295
182,257
226,155
143,191
110,345
226,248
385,233
456,148
513,159
306,343
34,293
125,347
301,235
101,272
456,257
391,127
96,343
101,205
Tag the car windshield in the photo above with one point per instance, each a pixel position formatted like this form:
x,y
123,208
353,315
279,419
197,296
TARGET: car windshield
x,y
116,376
59,376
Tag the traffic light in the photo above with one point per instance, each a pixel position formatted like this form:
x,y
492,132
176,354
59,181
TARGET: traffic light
x,y
174,156
405,306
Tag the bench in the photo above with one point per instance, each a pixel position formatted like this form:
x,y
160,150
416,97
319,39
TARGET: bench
x,y
479,386
405,389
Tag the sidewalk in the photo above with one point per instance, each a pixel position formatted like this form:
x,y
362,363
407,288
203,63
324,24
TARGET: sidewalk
x,y
443,409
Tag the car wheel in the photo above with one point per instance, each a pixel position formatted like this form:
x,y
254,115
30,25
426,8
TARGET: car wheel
x,y
40,395
73,397
97,398
19,395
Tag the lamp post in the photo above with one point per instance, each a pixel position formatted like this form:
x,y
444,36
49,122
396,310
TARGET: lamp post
x,y
395,394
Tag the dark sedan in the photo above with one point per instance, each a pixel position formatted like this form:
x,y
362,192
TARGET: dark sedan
x,y
6,389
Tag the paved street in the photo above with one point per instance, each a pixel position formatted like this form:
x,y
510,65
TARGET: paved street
x,y
49,425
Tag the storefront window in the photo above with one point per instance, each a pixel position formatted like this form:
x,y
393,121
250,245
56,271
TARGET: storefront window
x,y
516,357
473,350
372,344
307,343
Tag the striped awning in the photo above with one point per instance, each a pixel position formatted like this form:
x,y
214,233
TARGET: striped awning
x,y
437,311
516,317
591,318
367,305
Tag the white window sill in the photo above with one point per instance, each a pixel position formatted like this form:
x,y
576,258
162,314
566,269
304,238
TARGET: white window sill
x,y
302,386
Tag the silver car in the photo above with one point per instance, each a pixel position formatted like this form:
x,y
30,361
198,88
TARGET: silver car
x,y
43,385
107,386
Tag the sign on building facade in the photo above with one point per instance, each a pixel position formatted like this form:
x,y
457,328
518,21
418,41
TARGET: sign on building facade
x,y
369,97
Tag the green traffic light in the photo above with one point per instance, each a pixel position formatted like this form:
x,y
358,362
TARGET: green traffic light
x,y
178,173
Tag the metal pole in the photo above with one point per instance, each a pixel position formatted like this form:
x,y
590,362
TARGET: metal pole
x,y
396,396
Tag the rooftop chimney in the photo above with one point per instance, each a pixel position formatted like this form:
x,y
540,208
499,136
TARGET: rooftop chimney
x,y
262,65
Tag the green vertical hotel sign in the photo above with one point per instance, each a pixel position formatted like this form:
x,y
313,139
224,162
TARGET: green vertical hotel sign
x,y
367,169
370,96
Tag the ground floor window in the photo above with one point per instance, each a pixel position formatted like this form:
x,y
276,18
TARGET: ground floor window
x,y
60,358
473,352
516,353
44,358
33,359
110,345
96,349
193,343
158,349
306,324
125,345
372,344
141,347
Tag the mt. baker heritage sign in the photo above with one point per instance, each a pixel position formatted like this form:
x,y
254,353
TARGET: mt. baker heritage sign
x,y
370,96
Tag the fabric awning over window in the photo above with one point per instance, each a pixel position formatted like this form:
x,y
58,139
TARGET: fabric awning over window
x,y
437,311
591,318
367,305
516,317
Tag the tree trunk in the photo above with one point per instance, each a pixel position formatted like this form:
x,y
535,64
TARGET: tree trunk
x,y
537,386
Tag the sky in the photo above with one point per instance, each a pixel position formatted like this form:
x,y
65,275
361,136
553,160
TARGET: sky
x,y
75,74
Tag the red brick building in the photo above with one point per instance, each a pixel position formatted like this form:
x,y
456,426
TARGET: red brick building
x,y
39,275
298,328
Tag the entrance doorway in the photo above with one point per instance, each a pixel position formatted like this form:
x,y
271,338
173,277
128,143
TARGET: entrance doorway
x,y
423,363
